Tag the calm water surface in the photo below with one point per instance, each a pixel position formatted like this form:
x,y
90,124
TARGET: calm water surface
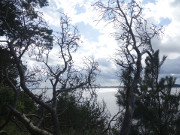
x,y
108,95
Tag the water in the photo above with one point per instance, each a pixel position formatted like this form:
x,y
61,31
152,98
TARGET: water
x,y
108,95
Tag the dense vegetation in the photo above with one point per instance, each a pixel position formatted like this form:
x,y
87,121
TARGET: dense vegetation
x,y
148,104
157,104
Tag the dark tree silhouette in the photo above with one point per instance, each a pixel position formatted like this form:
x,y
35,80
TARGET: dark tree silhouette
x,y
7,70
134,36
157,104
85,117
24,32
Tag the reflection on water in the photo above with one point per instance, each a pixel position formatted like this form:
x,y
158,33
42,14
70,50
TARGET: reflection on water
x,y
108,95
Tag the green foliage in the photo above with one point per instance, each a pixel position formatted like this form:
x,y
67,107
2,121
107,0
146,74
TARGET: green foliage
x,y
19,21
12,129
87,117
157,104
7,65
158,111
23,30
25,104
6,98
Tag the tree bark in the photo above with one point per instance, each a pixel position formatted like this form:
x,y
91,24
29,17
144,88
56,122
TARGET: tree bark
x,y
34,130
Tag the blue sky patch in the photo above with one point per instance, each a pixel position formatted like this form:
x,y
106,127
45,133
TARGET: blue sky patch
x,y
148,1
80,9
165,21
61,10
88,31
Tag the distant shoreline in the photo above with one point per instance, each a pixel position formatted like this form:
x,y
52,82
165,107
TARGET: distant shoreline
x,y
174,86
110,87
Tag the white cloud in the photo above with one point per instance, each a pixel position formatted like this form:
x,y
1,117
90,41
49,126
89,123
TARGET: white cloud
x,y
168,44
106,46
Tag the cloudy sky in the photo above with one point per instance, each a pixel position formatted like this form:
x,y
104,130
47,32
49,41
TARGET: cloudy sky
x,y
98,42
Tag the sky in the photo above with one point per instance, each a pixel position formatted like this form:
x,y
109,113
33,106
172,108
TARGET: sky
x,y
97,39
